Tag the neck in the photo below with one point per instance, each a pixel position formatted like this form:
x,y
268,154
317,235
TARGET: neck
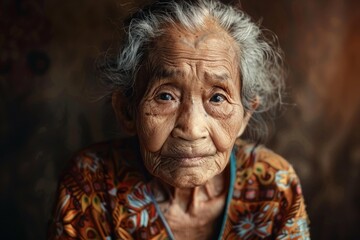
x,y
189,199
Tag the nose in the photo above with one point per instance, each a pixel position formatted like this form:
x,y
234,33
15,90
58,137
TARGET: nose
x,y
191,122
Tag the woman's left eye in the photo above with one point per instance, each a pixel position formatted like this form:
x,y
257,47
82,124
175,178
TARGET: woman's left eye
x,y
165,96
217,98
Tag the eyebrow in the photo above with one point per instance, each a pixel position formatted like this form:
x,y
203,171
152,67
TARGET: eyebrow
x,y
168,73
161,72
218,77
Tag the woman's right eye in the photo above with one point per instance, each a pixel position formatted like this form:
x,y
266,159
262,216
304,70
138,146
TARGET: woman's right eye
x,y
165,97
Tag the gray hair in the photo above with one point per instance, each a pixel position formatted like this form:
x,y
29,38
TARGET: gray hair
x,y
260,58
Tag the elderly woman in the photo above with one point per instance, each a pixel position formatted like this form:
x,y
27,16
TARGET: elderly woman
x,y
191,76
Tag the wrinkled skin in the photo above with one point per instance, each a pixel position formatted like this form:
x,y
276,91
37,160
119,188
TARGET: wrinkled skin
x,y
188,115
191,111
187,122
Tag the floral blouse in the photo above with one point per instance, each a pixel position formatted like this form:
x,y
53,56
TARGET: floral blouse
x,y
104,194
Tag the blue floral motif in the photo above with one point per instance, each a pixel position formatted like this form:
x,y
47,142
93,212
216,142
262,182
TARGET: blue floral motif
x,y
252,225
282,179
138,200
283,235
302,230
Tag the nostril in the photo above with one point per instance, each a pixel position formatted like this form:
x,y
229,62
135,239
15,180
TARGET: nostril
x,y
190,132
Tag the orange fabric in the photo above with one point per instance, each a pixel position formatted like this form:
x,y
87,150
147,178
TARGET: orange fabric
x,y
103,194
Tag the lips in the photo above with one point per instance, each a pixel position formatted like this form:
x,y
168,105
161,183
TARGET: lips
x,y
187,159
188,149
187,155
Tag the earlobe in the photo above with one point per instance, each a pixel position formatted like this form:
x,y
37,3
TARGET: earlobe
x,y
123,112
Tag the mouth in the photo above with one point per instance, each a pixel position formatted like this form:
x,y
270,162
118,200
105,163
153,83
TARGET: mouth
x,y
188,160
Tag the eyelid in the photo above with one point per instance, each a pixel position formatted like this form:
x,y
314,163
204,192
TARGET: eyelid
x,y
219,90
167,88
222,88
226,95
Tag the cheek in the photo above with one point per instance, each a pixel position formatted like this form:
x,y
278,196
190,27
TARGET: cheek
x,y
153,127
222,112
224,130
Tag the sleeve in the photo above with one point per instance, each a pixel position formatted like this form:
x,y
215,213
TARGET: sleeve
x,y
80,210
292,220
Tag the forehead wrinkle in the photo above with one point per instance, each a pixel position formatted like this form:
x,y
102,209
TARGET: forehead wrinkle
x,y
170,58
168,53
196,44
168,67
162,71
221,77
177,49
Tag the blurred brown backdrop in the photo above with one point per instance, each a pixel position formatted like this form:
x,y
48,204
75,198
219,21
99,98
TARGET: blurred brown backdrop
x,y
50,105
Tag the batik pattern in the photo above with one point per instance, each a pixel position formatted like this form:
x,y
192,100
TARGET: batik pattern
x,y
103,195
267,201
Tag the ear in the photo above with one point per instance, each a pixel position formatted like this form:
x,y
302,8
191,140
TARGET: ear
x,y
124,112
248,113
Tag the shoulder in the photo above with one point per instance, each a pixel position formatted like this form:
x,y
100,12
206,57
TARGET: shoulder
x,y
250,154
264,176
89,188
267,186
100,166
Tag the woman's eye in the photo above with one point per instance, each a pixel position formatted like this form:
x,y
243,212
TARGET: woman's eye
x,y
217,98
165,97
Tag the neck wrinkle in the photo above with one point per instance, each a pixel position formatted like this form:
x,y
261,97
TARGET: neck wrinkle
x,y
189,199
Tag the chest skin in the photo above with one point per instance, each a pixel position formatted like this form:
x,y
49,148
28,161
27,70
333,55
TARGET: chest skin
x,y
194,213
198,222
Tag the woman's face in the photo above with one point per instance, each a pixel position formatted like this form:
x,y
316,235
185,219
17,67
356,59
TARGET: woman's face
x,y
191,112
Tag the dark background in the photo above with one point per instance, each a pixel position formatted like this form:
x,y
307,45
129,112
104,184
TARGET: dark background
x,y
51,105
